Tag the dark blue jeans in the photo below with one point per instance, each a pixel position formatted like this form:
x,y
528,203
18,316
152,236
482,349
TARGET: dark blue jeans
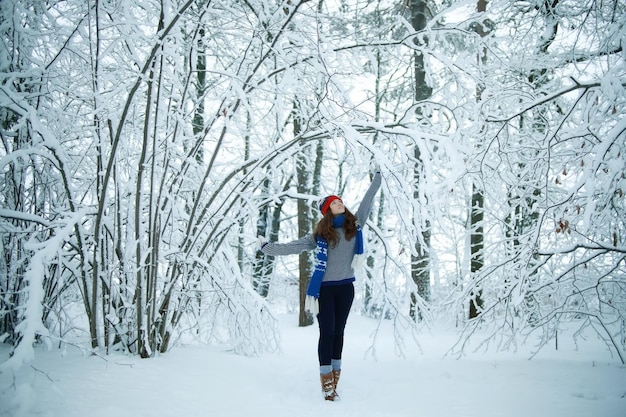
x,y
334,303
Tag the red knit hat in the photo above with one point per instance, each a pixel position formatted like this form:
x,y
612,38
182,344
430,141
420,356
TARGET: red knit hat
x,y
326,203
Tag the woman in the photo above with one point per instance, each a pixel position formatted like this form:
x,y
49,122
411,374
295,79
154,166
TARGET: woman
x,y
338,245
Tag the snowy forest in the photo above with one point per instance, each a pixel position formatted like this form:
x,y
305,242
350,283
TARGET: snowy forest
x,y
147,144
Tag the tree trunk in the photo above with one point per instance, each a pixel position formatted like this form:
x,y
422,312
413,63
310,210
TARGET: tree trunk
x,y
303,174
476,248
420,272
478,201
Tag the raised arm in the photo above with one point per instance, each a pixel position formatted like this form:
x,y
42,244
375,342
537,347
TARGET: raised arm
x,y
289,248
368,199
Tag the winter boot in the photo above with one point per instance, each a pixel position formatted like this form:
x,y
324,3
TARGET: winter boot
x,y
328,386
336,374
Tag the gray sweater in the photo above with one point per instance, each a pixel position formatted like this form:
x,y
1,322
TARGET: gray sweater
x,y
339,264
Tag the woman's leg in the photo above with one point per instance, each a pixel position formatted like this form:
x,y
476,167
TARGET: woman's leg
x,y
343,302
335,303
326,321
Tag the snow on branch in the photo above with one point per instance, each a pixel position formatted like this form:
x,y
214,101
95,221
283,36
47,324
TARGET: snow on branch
x,y
31,327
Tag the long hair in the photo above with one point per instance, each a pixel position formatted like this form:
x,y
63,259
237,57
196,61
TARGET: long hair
x,y
326,230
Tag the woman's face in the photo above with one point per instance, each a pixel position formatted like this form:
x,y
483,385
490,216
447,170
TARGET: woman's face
x,y
337,207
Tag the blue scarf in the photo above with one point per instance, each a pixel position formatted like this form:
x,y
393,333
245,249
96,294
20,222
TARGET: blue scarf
x,y
321,256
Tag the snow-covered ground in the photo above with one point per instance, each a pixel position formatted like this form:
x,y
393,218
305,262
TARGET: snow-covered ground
x,y
201,381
